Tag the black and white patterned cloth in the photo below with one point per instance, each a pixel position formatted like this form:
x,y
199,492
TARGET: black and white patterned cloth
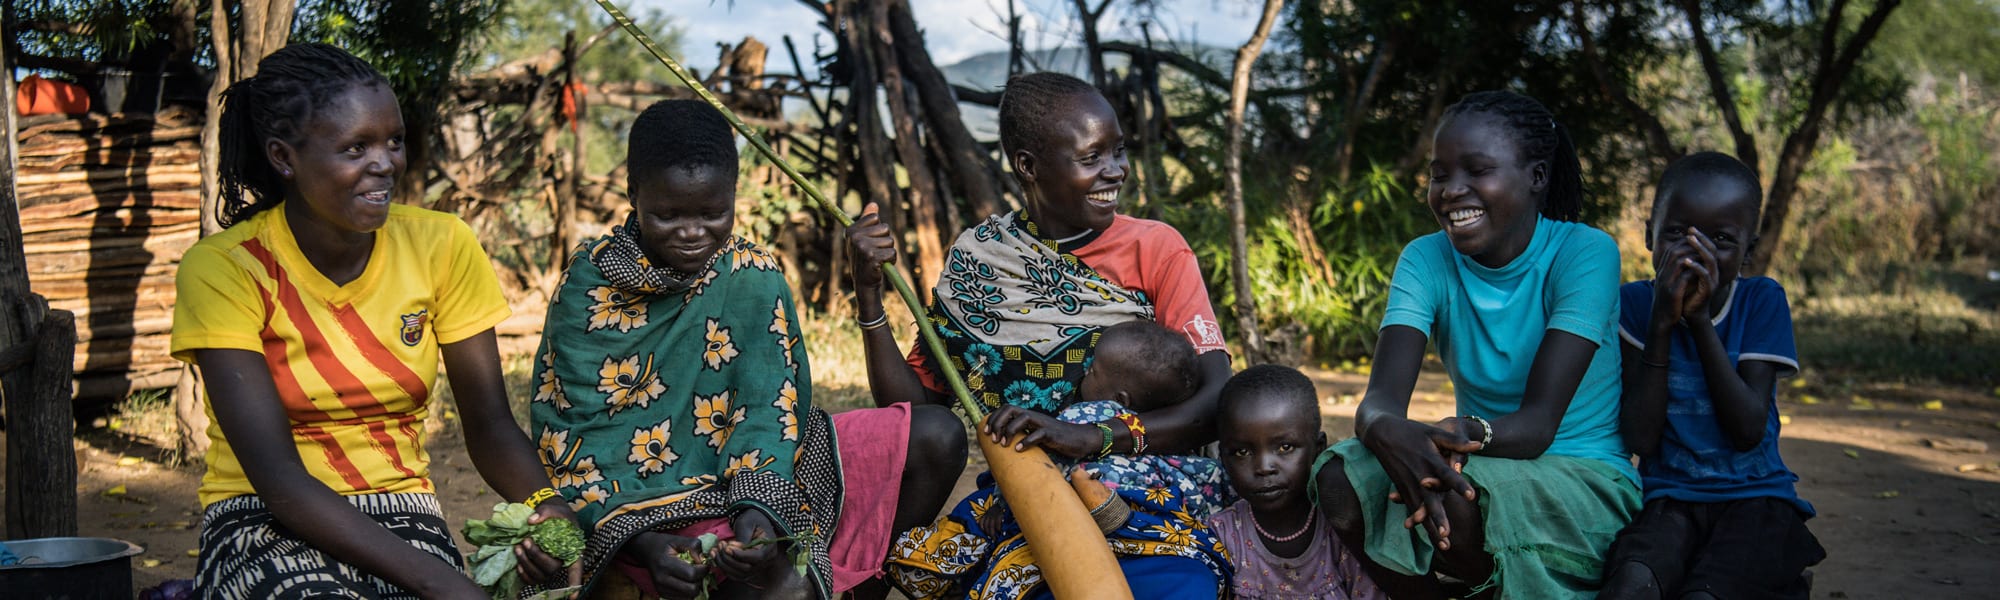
x,y
247,553
624,262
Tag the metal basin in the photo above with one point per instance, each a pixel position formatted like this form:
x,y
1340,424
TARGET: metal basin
x,y
69,568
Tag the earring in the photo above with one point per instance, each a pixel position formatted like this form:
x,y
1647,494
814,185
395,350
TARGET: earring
x,y
288,172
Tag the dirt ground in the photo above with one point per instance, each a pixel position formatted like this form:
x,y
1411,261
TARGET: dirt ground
x,y
1907,488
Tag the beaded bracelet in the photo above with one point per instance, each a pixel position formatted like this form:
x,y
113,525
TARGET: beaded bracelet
x,y
1106,450
540,496
1138,430
1486,439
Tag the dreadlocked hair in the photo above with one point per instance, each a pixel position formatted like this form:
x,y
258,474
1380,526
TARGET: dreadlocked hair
x,y
1537,136
290,86
1027,103
686,134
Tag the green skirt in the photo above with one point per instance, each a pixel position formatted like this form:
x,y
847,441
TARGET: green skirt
x,y
1548,521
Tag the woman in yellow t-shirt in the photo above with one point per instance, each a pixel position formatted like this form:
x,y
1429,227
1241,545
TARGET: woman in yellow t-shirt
x,y
317,320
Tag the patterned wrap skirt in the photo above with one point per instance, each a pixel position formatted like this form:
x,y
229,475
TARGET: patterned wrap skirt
x,y
246,553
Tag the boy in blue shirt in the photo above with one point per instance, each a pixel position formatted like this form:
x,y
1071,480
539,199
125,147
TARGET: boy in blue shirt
x,y
1703,351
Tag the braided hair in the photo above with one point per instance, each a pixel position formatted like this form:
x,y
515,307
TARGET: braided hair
x,y
1026,104
290,86
1537,136
686,133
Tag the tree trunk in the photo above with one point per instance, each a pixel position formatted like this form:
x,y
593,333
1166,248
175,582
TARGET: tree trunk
x,y
1654,132
564,235
1092,50
1834,67
36,348
977,175
1239,96
1718,85
876,179
41,461
923,190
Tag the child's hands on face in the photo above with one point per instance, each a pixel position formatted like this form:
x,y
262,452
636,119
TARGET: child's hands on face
x,y
1686,271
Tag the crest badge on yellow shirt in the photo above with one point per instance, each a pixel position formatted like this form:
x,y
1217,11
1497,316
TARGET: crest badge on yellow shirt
x,y
413,327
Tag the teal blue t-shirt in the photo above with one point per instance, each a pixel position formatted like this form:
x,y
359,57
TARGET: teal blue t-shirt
x,y
1488,323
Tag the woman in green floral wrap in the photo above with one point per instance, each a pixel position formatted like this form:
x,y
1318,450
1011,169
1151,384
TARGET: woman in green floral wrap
x,y
674,399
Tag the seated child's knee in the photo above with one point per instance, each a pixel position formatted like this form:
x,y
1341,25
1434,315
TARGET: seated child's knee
x,y
1630,580
936,435
1337,499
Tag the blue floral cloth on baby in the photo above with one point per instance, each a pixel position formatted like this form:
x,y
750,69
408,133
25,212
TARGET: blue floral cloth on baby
x,y
1166,549
1198,481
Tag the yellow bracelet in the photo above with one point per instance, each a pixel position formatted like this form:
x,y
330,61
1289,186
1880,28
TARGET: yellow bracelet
x,y
540,496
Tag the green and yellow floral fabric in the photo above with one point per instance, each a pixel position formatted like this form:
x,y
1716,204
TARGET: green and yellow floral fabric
x,y
664,398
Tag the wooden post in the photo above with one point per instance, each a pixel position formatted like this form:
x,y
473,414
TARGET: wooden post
x,y
41,462
565,200
36,347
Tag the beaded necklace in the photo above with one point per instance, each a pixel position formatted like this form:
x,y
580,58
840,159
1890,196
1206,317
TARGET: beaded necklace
x,y
1311,517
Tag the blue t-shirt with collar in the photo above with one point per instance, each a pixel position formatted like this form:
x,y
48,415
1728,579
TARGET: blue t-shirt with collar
x,y
1695,462
1488,324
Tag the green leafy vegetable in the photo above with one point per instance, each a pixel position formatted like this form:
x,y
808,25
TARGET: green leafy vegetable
x,y
493,563
560,538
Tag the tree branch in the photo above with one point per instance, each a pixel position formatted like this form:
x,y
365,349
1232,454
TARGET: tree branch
x,y
1649,124
1799,145
1718,86
1180,61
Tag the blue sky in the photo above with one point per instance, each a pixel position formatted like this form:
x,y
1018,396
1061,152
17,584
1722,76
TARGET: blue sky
x,y
954,29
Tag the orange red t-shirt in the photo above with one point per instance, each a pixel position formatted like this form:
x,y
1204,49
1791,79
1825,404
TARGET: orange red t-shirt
x,y
353,364
1148,256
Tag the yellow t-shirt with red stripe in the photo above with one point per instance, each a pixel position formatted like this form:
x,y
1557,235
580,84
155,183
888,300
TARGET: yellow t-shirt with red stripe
x,y
353,364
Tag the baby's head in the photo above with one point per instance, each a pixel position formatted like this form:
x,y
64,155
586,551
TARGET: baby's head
x,y
1716,194
1269,420
1141,365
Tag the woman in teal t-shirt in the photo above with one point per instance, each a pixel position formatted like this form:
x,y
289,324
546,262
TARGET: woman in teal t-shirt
x,y
1525,490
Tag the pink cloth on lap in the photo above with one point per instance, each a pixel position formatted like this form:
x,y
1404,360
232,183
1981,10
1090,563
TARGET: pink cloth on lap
x,y
874,445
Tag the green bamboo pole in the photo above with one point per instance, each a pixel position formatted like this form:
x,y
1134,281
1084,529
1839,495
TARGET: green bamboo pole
x,y
889,269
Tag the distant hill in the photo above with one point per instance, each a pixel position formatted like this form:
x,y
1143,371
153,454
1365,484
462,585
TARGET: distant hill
x,y
988,71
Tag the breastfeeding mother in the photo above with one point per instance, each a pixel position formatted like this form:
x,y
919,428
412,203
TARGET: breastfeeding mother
x,y
1019,305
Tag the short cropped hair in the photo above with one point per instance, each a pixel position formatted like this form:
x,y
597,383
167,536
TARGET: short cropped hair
x,y
1707,164
1167,363
1270,383
685,134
